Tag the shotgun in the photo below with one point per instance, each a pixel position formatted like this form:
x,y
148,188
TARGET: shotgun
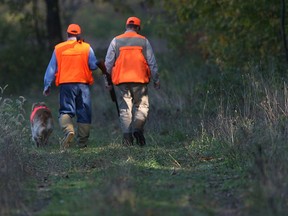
x,y
101,66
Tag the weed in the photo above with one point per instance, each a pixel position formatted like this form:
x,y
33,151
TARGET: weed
x,y
13,154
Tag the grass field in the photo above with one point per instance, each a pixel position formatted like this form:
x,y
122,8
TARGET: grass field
x,y
231,162
172,175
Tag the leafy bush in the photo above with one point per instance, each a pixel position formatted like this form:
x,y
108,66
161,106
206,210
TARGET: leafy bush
x,y
232,32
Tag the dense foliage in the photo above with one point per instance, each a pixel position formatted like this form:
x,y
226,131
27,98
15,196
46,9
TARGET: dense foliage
x,y
217,129
232,32
228,33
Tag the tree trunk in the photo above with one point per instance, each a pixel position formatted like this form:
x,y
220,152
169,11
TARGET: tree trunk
x,y
37,29
53,23
283,29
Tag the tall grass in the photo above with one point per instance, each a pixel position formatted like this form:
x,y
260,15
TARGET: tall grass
x,y
262,136
13,157
254,137
230,144
242,121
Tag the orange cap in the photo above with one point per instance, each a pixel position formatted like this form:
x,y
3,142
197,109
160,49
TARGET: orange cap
x,y
74,29
134,21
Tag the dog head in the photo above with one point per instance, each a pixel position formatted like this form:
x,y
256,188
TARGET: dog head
x,y
36,107
38,104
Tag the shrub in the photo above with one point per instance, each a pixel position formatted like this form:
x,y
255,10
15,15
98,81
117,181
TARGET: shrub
x,y
13,134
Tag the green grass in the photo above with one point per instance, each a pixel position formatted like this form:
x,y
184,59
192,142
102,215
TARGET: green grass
x,y
222,162
176,178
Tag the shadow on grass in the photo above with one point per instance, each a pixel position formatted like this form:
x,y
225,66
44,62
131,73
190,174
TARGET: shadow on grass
x,y
108,178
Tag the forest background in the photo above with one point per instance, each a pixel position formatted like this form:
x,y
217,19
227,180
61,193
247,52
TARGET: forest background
x,y
218,125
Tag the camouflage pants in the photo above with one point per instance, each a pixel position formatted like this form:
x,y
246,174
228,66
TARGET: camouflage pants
x,y
133,106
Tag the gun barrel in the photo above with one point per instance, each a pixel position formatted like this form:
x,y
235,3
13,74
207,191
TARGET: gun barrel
x,y
102,67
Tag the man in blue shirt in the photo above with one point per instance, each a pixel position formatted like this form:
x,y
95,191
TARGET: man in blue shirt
x,y
73,76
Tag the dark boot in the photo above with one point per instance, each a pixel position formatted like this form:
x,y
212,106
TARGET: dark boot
x,y
139,138
83,134
127,139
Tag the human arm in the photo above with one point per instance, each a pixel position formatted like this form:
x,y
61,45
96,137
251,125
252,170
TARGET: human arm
x,y
109,62
92,60
50,74
151,61
110,56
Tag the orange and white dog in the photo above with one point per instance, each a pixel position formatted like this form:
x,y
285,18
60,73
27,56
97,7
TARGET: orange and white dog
x,y
41,123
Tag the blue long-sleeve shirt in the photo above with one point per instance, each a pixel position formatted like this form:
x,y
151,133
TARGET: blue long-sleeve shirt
x,y
52,66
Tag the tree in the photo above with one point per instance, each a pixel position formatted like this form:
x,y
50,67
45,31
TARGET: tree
x,y
232,32
53,22
283,29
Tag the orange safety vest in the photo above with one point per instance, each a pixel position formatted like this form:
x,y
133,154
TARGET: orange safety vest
x,y
72,62
130,64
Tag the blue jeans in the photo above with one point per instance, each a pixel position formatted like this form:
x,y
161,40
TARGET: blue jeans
x,y
75,99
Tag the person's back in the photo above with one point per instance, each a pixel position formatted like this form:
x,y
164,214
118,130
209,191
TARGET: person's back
x,y
71,66
72,58
131,62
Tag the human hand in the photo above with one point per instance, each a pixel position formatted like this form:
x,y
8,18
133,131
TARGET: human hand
x,y
46,92
157,85
108,84
108,87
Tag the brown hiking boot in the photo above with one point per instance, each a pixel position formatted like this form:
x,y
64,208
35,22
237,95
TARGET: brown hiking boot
x,y
65,143
83,135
